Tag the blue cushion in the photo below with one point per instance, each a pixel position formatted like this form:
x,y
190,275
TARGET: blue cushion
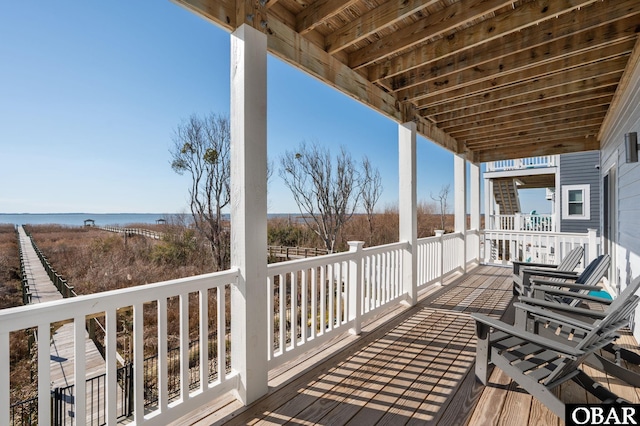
x,y
600,293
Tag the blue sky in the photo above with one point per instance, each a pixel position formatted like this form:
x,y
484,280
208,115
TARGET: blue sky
x,y
90,93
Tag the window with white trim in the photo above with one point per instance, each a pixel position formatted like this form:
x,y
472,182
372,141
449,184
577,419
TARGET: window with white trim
x,y
576,202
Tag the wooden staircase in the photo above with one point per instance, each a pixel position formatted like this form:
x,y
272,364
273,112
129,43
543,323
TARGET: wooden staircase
x,y
506,195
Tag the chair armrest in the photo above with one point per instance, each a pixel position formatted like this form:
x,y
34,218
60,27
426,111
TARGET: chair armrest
x,y
547,283
562,307
517,264
551,273
537,310
552,285
568,351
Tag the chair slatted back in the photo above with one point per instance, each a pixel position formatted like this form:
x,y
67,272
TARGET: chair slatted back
x,y
571,260
605,331
591,275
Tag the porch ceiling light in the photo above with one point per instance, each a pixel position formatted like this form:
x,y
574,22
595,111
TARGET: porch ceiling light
x,y
631,147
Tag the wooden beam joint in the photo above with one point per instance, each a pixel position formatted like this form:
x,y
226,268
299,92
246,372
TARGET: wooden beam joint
x,y
252,13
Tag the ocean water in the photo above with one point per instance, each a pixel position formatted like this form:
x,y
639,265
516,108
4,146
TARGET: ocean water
x,y
105,219
77,219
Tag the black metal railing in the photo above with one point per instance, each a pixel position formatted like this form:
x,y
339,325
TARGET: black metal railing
x,y
24,413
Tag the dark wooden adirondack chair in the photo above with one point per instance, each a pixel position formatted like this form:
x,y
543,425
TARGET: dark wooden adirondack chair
x,y
563,287
568,264
557,320
540,364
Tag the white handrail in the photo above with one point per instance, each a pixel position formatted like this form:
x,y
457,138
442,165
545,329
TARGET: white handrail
x,y
43,316
502,247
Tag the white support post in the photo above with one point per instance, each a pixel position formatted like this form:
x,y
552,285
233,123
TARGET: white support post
x,y
249,211
408,208
460,201
557,200
592,251
355,285
439,234
475,208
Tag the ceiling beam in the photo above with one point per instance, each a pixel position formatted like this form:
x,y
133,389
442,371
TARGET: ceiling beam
x,y
532,124
375,20
511,126
508,76
291,47
580,126
577,103
432,25
528,101
221,12
318,12
539,149
592,16
512,54
546,87
516,68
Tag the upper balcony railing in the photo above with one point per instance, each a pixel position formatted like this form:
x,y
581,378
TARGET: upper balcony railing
x,y
310,301
522,222
502,247
522,163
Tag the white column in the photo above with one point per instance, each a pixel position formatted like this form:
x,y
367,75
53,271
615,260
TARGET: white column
x,y
460,202
557,200
249,211
408,208
475,208
355,285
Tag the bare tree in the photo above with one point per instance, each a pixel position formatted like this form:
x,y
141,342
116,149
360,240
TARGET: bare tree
x,y
202,150
327,193
442,199
371,191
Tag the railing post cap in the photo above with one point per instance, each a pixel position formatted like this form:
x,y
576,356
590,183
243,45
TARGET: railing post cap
x,y
355,245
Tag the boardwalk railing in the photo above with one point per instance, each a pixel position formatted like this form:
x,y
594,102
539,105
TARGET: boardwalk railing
x,y
295,252
26,291
60,283
132,231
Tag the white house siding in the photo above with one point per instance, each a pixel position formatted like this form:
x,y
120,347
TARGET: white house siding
x,y
625,118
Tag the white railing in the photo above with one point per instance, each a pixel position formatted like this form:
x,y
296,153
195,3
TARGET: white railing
x,y
309,302
313,300
501,247
522,163
522,222
207,290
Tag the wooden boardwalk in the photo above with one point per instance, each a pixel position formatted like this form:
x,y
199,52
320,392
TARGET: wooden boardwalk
x,y
41,287
62,339
416,367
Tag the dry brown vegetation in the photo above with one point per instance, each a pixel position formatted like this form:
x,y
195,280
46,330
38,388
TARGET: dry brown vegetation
x,y
10,292
11,296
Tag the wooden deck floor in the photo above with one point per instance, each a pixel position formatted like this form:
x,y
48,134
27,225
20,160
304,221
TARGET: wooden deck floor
x,y
416,368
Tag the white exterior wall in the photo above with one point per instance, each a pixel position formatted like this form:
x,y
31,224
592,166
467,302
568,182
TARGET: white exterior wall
x,y
626,235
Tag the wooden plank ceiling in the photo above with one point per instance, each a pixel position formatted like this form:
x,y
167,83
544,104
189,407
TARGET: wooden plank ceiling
x,y
493,79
